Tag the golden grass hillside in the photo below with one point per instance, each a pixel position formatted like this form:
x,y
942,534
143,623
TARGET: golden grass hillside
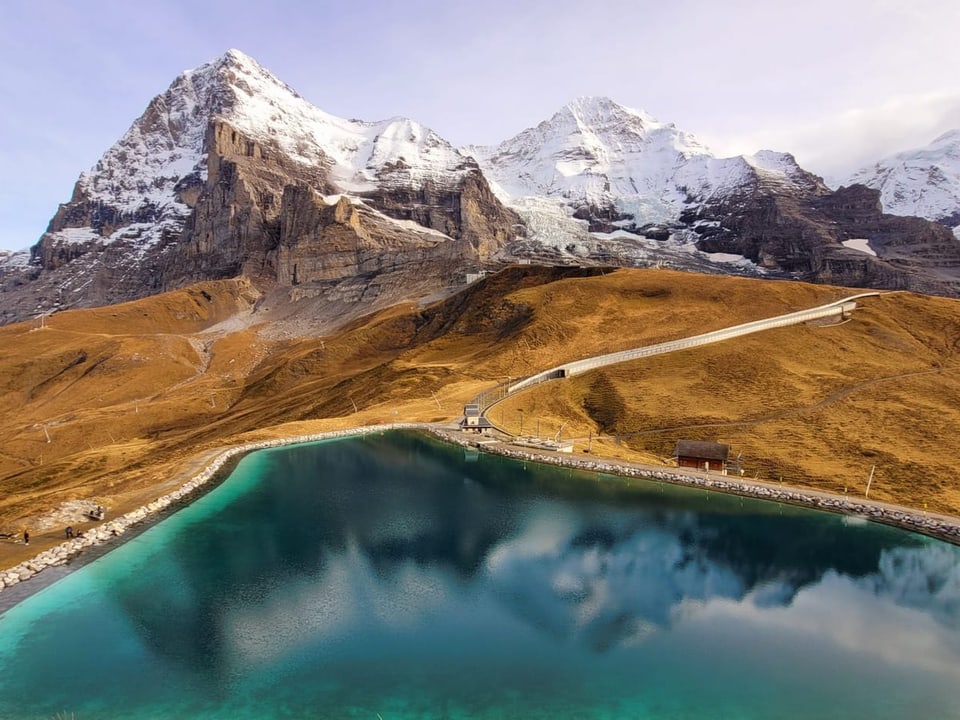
x,y
117,404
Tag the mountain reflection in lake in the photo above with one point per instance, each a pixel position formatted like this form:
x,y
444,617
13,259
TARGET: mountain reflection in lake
x,y
394,575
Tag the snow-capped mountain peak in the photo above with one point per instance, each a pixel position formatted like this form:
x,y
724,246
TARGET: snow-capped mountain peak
x,y
595,153
950,140
598,127
924,182
225,173
238,59
166,143
605,118
589,150
137,178
240,71
355,152
600,113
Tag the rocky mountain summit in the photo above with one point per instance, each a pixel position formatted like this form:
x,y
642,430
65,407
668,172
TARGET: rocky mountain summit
x,y
924,182
601,180
230,172
608,161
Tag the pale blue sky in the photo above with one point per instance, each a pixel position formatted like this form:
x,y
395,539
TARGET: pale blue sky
x,y
836,82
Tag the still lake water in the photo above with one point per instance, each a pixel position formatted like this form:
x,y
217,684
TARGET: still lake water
x,y
397,577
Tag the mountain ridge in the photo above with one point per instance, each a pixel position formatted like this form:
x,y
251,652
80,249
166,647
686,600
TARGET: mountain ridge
x,y
614,152
924,182
208,183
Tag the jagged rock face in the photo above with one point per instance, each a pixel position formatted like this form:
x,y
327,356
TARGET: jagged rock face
x,y
485,223
771,230
230,172
234,227
195,190
803,235
243,222
469,211
926,252
321,242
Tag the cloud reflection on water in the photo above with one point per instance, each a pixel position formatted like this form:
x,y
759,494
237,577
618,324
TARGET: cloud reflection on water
x,y
393,558
605,578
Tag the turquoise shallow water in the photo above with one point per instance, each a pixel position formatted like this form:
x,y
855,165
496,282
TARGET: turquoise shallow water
x,y
397,576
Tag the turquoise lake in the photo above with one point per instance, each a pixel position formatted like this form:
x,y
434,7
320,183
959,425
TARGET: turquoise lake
x,y
394,576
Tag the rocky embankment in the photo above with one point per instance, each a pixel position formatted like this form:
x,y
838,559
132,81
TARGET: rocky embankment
x,y
117,527
938,526
944,528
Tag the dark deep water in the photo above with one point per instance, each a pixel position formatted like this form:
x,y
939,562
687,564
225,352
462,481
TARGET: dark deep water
x,y
396,576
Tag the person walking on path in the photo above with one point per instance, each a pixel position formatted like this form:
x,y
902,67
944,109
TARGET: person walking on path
x,y
26,537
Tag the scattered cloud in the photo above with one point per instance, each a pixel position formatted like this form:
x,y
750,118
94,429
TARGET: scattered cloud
x,y
835,146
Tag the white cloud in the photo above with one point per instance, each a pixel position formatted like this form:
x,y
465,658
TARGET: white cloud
x,y
835,146
842,612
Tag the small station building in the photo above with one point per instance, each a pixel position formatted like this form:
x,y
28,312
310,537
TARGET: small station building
x,y
473,419
702,455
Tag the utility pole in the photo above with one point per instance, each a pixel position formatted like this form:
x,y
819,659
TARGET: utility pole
x,y
869,480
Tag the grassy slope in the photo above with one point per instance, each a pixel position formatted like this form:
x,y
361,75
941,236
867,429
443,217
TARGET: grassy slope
x,y
129,394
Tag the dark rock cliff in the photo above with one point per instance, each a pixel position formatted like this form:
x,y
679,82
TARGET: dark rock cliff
x,y
801,235
262,215
321,242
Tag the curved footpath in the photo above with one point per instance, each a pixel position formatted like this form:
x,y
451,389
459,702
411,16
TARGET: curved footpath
x,y
939,526
838,308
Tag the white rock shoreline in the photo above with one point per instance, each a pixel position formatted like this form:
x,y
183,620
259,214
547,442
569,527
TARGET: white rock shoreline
x,y
940,527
